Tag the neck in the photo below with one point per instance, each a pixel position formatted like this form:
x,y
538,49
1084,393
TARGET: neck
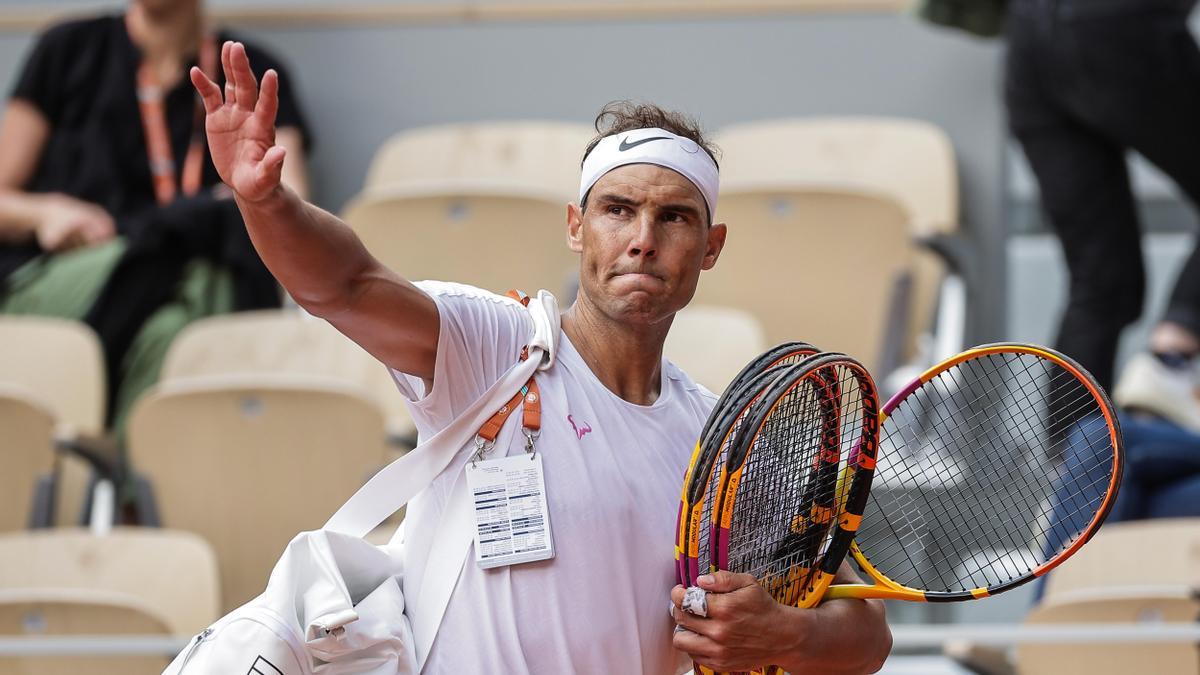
x,y
627,359
165,35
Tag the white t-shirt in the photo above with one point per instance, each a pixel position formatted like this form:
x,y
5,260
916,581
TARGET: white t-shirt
x,y
613,472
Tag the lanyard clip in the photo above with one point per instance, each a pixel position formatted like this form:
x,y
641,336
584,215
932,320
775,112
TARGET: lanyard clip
x,y
531,437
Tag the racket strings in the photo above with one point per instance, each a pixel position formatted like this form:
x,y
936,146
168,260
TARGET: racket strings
x,y
786,500
980,501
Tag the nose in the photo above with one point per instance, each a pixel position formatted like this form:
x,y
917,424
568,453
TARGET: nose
x,y
643,243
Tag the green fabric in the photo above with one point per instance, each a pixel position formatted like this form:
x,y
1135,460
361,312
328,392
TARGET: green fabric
x,y
65,285
984,18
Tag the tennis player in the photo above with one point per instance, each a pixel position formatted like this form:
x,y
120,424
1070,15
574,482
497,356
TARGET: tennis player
x,y
618,421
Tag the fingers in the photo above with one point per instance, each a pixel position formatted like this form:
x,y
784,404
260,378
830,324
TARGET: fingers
x,y
270,169
245,83
677,595
209,92
724,582
227,66
268,99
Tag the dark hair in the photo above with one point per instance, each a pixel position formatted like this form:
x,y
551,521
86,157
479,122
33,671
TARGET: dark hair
x,y
618,116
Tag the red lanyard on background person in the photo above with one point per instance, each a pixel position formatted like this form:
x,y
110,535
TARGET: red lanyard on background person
x,y
151,104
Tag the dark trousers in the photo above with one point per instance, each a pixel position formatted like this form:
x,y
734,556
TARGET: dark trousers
x,y
1088,80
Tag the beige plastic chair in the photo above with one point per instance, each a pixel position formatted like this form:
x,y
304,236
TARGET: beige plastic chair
x,y
910,161
272,342
1117,554
496,241
28,451
812,265
505,156
1148,606
247,463
170,574
48,612
712,344
59,366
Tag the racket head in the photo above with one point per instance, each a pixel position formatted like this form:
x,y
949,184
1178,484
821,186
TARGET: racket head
x,y
815,426
708,451
995,466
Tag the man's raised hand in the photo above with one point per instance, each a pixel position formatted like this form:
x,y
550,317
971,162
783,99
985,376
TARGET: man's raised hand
x,y
241,125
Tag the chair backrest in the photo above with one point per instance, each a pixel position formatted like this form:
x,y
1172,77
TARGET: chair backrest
x,y
48,612
910,161
28,447
271,342
249,464
1097,605
712,344
514,154
1119,549
172,574
60,363
818,266
496,242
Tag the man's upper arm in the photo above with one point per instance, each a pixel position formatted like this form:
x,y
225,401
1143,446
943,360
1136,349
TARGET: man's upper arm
x,y
23,134
392,319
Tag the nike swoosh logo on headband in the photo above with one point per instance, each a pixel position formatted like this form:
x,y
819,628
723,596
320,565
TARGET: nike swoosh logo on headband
x,y
626,145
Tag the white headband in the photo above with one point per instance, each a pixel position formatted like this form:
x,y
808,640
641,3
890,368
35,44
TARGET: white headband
x,y
653,146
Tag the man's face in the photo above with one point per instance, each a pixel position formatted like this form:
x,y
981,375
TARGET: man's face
x,y
643,241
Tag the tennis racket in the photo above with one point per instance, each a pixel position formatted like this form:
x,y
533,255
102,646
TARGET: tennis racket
x,y
710,451
777,515
995,466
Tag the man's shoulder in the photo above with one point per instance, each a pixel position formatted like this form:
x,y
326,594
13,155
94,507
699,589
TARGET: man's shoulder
x,y
697,394
463,292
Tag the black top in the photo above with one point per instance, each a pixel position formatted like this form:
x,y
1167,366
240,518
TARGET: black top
x,y
82,76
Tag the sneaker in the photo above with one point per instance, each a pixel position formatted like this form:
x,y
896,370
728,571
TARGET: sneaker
x,y
1148,385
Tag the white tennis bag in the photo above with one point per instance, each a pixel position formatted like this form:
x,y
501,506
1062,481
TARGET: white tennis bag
x,y
334,604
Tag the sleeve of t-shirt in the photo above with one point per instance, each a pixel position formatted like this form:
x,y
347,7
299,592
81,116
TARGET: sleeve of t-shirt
x,y
39,81
481,337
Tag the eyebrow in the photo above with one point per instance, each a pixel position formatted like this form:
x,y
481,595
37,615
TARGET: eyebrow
x,y
611,198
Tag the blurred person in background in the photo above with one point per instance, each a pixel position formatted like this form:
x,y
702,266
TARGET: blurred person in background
x,y
111,211
1088,81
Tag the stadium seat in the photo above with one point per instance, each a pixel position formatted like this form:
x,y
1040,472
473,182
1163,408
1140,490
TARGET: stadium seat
x,y
496,241
249,462
285,341
171,574
814,265
712,362
41,613
1118,549
1151,606
912,162
514,155
58,365
28,453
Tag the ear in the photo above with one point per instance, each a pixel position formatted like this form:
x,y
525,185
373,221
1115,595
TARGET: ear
x,y
716,243
574,227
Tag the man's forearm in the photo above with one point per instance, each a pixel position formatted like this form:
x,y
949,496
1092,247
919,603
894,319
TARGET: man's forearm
x,y
844,637
310,251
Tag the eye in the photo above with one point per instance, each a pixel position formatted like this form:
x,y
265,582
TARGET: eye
x,y
617,209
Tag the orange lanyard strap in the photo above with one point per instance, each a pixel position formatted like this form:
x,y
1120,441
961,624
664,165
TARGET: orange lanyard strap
x,y
158,137
531,415
530,395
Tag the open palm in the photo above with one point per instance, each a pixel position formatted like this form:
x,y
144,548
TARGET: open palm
x,y
241,125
